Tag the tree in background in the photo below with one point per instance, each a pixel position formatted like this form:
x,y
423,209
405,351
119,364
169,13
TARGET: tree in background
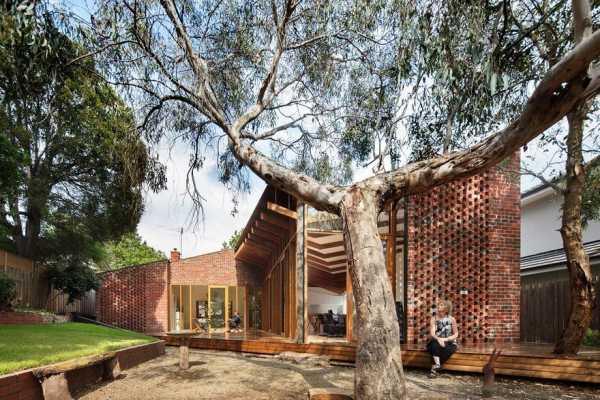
x,y
71,275
233,240
76,164
130,249
551,44
319,82
8,292
482,85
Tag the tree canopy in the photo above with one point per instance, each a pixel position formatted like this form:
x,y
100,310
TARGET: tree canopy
x,y
233,240
130,249
78,164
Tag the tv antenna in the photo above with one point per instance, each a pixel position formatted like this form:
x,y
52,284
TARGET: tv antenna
x,y
181,240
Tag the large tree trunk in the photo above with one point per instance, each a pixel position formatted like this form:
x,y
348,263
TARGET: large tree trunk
x,y
578,263
379,372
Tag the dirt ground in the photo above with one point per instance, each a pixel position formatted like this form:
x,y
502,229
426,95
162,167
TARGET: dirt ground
x,y
223,375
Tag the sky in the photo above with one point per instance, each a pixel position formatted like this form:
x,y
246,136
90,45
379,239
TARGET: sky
x,y
170,210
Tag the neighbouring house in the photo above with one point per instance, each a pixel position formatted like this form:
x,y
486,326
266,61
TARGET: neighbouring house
x,y
289,272
544,275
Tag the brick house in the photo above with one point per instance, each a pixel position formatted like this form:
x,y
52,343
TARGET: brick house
x,y
289,276
137,297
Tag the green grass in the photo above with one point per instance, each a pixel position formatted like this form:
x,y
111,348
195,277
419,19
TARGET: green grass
x,y
28,346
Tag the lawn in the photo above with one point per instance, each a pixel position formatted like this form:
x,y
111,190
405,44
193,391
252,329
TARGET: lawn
x,y
28,346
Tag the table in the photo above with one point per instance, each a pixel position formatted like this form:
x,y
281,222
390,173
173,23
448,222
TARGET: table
x,y
184,338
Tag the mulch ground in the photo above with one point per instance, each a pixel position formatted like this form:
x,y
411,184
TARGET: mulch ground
x,y
224,375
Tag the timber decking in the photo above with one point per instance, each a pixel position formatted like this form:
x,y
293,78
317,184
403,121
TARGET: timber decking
x,y
520,359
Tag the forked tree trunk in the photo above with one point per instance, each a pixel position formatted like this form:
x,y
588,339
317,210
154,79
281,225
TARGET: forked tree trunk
x,y
578,263
379,372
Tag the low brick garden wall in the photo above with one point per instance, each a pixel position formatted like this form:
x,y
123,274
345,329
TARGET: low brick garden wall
x,y
30,318
23,385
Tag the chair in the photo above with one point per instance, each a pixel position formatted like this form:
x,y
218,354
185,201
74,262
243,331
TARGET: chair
x,y
200,324
335,324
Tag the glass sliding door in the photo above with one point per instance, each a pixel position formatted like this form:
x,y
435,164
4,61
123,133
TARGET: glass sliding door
x,y
206,308
180,318
217,312
176,316
200,307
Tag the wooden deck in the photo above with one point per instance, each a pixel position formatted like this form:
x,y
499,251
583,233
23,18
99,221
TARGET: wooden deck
x,y
519,360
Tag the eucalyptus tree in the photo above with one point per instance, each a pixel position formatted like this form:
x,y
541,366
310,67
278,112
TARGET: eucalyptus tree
x,y
293,91
549,42
482,84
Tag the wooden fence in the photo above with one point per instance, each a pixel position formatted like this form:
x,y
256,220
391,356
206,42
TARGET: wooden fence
x,y
545,309
33,289
58,303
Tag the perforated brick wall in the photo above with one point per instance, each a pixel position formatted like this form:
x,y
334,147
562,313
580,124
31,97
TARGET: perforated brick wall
x,y
135,298
463,245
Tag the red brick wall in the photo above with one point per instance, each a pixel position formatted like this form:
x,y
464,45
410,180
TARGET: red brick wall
x,y
135,298
463,245
218,268
504,235
18,318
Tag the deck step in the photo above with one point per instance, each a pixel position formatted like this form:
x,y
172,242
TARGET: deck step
x,y
543,366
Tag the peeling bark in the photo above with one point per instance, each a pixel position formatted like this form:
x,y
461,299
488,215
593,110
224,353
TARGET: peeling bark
x,y
379,373
578,262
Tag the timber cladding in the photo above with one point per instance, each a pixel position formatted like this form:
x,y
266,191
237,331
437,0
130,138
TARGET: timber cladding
x,y
463,245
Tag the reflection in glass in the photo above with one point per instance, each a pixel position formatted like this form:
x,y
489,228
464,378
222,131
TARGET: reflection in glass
x,y
217,309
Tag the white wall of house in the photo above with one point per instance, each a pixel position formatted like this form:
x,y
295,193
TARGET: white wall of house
x,y
321,301
540,223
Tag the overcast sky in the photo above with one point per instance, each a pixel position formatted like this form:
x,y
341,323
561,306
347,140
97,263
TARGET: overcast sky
x,y
168,211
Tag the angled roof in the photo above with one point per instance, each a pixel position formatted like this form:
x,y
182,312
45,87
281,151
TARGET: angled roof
x,y
556,257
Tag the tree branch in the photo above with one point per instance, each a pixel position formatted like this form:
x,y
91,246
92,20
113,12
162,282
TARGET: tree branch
x,y
198,64
552,99
541,178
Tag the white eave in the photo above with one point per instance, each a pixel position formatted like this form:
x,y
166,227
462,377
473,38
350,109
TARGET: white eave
x,y
538,195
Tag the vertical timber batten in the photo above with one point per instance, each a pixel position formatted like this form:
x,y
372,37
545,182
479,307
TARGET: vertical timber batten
x,y
300,272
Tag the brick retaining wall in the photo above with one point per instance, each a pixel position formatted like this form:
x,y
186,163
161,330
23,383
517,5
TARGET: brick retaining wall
x,y
29,318
23,385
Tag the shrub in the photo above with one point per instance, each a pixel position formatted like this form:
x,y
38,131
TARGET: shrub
x,y
71,276
8,292
592,338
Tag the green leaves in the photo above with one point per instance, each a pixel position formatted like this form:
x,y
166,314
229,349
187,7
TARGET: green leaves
x,y
72,162
130,249
8,292
233,240
71,276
